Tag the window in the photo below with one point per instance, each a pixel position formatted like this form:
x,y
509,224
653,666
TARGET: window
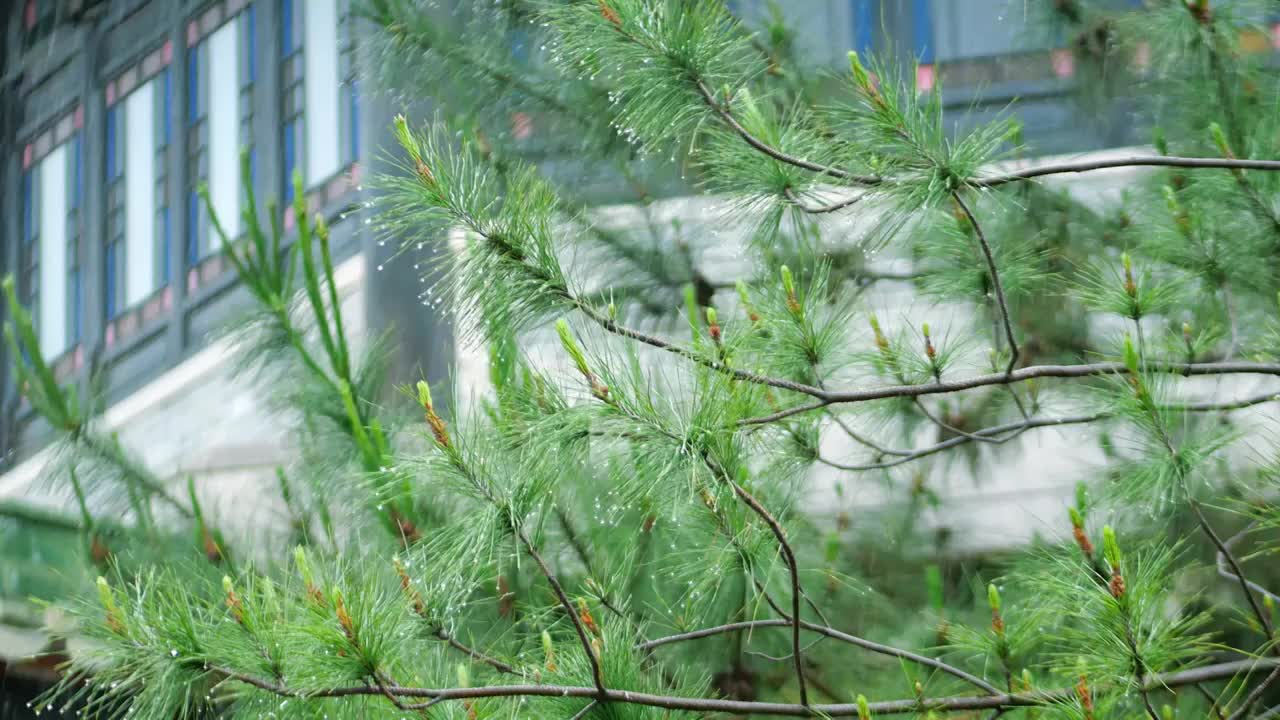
x,y
318,73
221,71
139,228
52,188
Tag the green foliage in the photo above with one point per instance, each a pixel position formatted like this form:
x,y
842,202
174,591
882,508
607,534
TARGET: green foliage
x,y
654,457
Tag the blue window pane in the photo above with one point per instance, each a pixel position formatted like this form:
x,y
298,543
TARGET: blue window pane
x,y
77,189
286,26
28,210
922,30
193,230
168,106
193,85
111,143
288,161
863,24
111,280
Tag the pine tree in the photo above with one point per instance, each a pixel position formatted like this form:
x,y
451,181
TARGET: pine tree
x,y
630,530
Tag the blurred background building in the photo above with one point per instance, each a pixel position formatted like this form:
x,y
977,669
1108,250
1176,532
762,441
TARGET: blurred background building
x,y
114,112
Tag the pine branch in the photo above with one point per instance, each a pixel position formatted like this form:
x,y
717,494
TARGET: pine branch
x,y
997,434
1207,673
863,643
994,275
827,398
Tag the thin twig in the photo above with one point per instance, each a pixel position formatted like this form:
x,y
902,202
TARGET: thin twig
x,y
995,281
958,703
496,664
1225,552
835,635
583,712
1017,428
568,608
1121,162
826,398
799,203
710,99
1225,571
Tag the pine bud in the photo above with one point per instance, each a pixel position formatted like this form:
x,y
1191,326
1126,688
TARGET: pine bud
x,y
108,600
1220,139
406,139
881,342
610,14
919,688
570,344
584,614
549,650
859,72
1110,548
1130,287
613,312
438,429
1166,712
1077,520
1130,355
993,600
713,327
929,349
864,708
789,286
1186,334
344,618
1027,685
406,584
233,601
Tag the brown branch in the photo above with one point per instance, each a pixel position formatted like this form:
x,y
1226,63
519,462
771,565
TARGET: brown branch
x,y
958,703
1224,551
568,608
826,398
710,99
1017,428
799,203
835,635
1129,161
1001,302
474,654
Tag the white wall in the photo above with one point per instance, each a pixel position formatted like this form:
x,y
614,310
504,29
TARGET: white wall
x,y
197,419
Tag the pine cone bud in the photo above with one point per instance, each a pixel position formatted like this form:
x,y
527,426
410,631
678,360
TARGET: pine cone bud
x,y
549,650
438,429
1130,287
108,600
1110,548
993,600
881,342
864,708
610,14
1130,355
745,298
406,584
584,615
233,601
929,349
713,327
344,618
789,287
